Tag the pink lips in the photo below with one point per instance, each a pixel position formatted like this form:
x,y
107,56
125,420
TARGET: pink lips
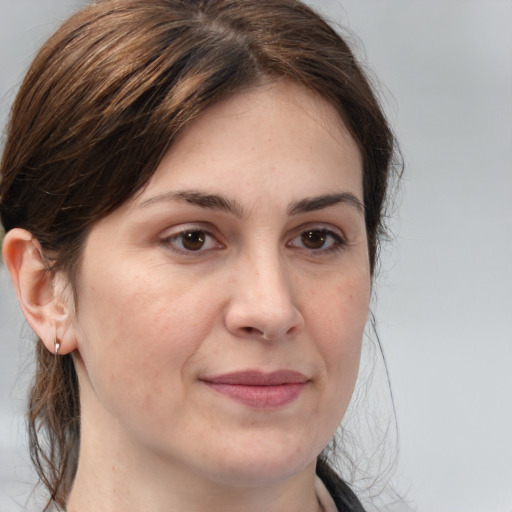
x,y
258,389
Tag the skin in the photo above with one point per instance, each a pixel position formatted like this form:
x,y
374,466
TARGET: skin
x,y
155,318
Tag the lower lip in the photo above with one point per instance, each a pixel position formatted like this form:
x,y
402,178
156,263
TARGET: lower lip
x,y
260,397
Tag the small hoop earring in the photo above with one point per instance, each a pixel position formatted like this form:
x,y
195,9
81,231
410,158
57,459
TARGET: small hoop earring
x,y
57,346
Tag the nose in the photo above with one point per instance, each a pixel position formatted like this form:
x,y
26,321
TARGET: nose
x,y
262,301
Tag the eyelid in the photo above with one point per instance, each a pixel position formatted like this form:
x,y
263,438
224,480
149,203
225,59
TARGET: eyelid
x,y
319,226
188,226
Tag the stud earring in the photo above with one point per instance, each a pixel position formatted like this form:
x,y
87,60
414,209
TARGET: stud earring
x,y
57,346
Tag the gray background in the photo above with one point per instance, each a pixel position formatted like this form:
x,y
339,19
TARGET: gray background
x,y
444,304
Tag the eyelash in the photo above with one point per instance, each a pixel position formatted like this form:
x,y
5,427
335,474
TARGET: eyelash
x,y
337,243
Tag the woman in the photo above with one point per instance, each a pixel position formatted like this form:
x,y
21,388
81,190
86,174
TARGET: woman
x,y
192,194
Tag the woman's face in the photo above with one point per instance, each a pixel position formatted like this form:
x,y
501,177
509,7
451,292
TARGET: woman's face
x,y
220,312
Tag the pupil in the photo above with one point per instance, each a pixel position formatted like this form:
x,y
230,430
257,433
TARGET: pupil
x,y
313,239
193,240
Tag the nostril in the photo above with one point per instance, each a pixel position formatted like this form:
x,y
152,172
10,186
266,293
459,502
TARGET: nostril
x,y
250,330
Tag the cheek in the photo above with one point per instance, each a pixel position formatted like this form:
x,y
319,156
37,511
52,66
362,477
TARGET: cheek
x,y
340,310
337,315
136,335
338,318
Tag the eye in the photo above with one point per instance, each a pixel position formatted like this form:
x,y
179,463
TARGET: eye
x,y
192,240
318,240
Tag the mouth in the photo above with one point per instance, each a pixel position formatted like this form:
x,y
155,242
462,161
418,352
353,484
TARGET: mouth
x,y
259,390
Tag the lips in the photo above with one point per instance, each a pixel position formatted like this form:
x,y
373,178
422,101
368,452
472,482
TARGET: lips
x,y
259,390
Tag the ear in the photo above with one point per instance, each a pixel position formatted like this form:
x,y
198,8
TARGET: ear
x,y
42,296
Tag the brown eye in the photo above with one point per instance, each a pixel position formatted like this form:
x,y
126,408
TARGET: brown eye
x,y
318,241
313,239
193,240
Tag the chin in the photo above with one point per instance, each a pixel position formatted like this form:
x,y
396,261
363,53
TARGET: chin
x,y
258,467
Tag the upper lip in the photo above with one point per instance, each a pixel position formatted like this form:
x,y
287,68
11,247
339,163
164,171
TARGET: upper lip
x,y
258,378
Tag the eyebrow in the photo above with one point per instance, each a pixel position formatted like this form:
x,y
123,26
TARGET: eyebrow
x,y
198,198
311,204
218,202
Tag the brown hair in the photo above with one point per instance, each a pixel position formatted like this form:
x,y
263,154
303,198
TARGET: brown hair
x,y
101,104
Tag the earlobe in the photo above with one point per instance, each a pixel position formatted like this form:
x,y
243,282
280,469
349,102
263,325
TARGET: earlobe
x,y
42,303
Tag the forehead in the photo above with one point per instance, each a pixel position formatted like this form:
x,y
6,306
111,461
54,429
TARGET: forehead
x,y
281,135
